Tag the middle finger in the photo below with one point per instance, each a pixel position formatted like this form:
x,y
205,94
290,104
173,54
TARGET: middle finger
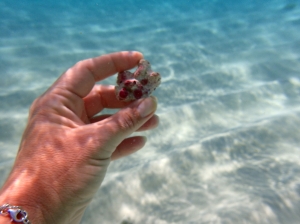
x,y
150,124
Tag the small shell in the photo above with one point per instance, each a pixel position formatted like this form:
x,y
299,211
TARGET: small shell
x,y
140,84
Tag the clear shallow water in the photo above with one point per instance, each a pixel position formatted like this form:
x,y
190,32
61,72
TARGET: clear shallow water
x,y
227,149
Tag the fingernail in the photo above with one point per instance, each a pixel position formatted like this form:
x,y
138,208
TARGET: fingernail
x,y
147,106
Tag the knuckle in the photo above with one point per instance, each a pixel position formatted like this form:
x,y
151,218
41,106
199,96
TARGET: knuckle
x,y
128,120
36,104
79,63
41,105
87,63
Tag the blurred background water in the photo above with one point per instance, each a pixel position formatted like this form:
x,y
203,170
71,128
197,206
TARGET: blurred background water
x,y
227,148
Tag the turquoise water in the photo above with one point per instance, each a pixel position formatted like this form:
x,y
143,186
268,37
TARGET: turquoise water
x,y
228,146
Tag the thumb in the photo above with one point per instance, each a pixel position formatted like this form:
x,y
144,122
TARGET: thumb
x,y
129,119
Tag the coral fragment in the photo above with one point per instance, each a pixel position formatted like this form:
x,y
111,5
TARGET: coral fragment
x,y
140,84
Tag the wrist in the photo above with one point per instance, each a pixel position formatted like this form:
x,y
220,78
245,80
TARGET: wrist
x,y
16,213
17,192
37,198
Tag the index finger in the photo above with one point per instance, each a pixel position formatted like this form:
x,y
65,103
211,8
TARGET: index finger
x,y
81,78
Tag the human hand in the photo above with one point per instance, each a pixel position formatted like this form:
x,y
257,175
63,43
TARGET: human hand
x,y
65,150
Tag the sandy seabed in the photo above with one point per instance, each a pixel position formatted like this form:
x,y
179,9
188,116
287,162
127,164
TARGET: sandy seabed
x,y
227,148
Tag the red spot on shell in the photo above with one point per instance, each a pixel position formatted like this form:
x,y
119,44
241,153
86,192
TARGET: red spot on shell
x,y
138,93
123,93
144,81
129,83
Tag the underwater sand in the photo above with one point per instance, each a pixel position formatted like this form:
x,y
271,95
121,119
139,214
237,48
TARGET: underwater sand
x,y
228,146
